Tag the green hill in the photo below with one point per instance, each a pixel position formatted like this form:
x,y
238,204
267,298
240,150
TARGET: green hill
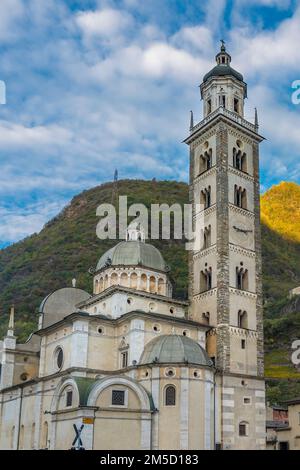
x,y
68,246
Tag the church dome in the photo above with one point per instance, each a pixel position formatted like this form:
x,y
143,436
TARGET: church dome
x,y
174,349
223,70
133,253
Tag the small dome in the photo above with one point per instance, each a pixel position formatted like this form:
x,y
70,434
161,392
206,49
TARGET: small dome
x,y
223,70
133,253
61,303
174,349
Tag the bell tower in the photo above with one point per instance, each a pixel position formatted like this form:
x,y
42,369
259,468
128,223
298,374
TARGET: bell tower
x,y
225,274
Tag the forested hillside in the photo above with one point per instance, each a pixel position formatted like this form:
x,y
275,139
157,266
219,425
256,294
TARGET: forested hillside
x,y
68,246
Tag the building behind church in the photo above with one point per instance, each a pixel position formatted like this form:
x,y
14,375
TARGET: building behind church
x,y
131,367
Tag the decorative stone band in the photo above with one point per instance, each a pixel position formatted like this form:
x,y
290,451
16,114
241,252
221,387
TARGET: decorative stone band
x,y
242,251
206,294
234,330
225,112
208,251
243,293
239,210
242,332
242,174
208,211
202,176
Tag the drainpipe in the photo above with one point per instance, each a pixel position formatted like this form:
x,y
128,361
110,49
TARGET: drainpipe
x,y
19,420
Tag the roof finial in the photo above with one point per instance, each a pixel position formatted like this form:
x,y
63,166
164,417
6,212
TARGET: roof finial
x,y
11,324
192,121
256,120
223,48
135,232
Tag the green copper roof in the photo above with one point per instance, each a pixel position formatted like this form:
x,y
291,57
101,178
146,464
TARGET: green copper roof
x,y
174,349
133,253
84,385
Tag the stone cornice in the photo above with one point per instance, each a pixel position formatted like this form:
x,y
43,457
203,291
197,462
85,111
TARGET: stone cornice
x,y
114,289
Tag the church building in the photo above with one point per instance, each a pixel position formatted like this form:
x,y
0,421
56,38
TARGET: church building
x,y
131,367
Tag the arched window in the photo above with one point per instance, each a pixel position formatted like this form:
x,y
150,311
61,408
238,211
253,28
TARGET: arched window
x,y
45,435
239,160
101,284
208,106
143,282
240,197
241,278
161,286
242,319
206,237
170,395
124,280
96,286
205,161
152,284
113,279
12,437
133,280
205,197
21,444
236,105
205,318
32,436
206,279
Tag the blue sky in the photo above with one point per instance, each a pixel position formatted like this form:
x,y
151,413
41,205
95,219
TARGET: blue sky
x,y
96,85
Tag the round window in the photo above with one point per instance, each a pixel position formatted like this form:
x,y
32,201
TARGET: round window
x,y
170,372
152,306
59,357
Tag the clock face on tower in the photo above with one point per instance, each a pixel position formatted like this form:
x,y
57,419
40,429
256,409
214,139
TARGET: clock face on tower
x,y
242,233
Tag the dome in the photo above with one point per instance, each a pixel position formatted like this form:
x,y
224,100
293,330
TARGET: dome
x,y
173,349
223,70
60,304
133,253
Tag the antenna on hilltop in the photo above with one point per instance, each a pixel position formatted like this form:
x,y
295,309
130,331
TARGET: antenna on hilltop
x,y
115,187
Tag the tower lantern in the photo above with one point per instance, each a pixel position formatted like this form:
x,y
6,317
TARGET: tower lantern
x,y
223,86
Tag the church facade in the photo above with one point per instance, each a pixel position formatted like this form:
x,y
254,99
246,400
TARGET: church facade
x,y
130,367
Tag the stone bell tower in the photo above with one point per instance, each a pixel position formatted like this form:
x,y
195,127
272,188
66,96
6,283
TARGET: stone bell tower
x,y
225,274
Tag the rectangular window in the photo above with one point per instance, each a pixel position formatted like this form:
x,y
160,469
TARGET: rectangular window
x,y
69,398
243,344
124,359
236,105
247,400
242,429
284,445
118,397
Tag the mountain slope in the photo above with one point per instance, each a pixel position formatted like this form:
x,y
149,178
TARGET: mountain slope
x,y
68,246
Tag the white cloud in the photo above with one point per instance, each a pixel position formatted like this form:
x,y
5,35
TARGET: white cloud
x,y
11,12
18,223
106,22
196,37
271,52
267,3
18,136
